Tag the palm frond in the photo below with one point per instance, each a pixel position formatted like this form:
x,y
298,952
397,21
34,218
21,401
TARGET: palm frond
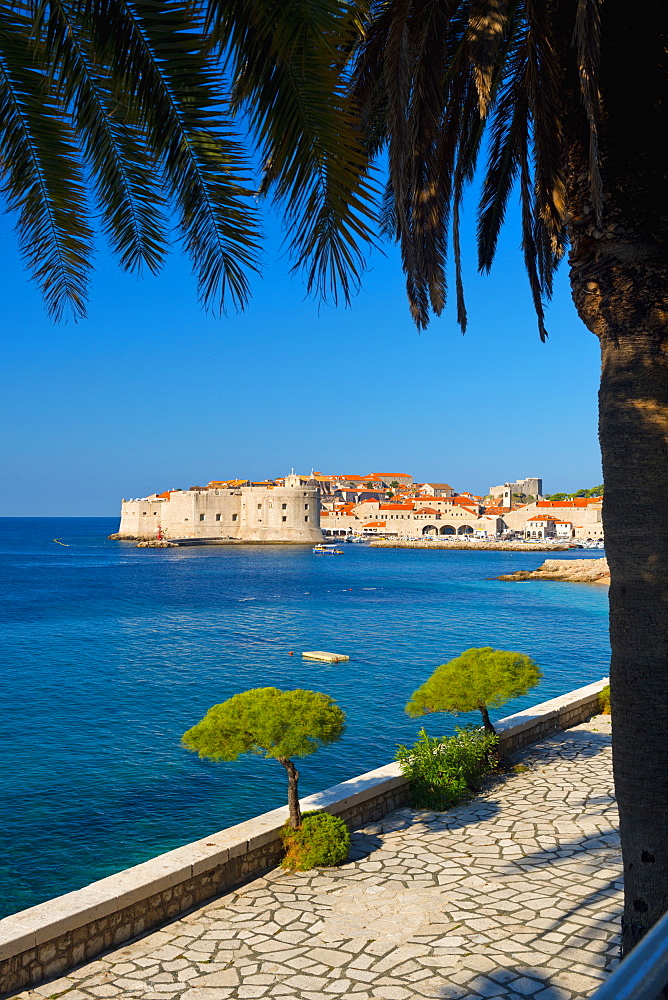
x,y
503,156
484,39
497,64
470,139
114,147
544,85
287,60
527,194
587,42
154,54
388,214
40,173
416,40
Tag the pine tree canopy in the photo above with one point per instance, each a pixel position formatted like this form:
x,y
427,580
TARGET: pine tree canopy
x,y
478,677
268,722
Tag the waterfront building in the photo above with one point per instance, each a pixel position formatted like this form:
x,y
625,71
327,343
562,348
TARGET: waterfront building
x,y
584,515
410,518
266,513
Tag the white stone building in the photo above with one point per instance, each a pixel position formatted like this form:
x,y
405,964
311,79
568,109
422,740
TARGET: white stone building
x,y
583,516
289,514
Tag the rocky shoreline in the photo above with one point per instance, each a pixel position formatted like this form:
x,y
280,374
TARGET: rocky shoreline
x,y
566,571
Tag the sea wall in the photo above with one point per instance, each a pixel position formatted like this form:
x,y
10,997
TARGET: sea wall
x,y
495,545
52,937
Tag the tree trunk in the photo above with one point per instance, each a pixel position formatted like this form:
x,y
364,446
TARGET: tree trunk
x,y
620,287
634,443
293,793
619,281
489,728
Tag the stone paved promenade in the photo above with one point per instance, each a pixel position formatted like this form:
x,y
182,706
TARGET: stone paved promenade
x,y
514,895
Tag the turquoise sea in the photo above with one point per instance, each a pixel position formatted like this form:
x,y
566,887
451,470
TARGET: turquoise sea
x,y
110,652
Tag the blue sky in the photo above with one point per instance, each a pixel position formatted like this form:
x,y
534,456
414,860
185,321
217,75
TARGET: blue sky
x,y
151,393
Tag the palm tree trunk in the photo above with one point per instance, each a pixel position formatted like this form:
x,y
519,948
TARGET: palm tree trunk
x,y
619,280
624,304
634,442
293,793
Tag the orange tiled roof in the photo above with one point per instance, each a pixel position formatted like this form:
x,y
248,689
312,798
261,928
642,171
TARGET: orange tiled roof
x,y
375,524
579,502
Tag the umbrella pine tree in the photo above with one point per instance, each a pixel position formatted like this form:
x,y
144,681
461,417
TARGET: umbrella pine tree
x,y
273,724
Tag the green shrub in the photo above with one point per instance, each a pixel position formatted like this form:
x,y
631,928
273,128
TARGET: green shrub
x,y
321,841
442,770
604,700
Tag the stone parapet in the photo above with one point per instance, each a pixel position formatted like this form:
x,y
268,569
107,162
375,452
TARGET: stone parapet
x,y
534,724
46,940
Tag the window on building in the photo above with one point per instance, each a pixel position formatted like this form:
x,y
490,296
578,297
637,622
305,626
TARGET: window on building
x,y
259,506
284,506
202,517
306,518
305,506
218,517
284,519
235,517
143,512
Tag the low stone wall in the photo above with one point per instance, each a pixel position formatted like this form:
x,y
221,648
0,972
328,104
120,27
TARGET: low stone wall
x,y
46,940
534,724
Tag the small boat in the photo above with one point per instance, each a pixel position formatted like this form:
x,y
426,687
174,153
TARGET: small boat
x,y
327,550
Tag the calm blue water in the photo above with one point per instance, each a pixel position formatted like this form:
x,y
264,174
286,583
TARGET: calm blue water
x,y
109,653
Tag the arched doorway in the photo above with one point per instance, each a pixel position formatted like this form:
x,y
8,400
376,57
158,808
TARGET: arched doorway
x,y
447,529
430,529
465,529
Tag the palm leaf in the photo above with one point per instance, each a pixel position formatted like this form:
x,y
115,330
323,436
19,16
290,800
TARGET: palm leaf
x,y
587,41
114,148
40,172
152,51
545,84
508,124
428,95
484,38
286,58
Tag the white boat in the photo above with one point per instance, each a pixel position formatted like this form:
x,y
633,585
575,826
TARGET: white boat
x,y
327,550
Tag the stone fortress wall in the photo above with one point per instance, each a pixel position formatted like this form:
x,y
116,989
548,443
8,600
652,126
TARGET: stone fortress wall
x,y
532,487
289,514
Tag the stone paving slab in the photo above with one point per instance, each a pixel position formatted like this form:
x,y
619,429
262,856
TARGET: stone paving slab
x,y
515,895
